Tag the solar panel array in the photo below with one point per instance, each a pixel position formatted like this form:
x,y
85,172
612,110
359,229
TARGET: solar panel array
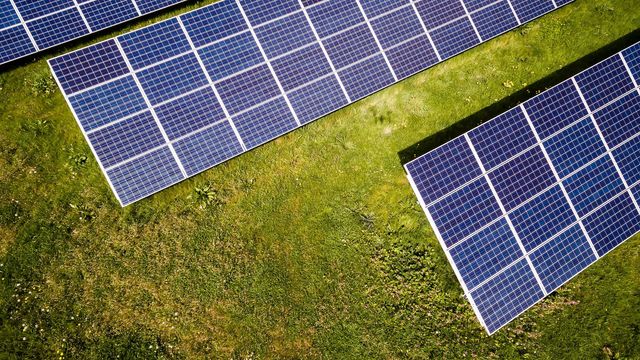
x,y
170,100
28,26
529,199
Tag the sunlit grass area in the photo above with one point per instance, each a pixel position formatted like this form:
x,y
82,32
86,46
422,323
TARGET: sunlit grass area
x,y
312,246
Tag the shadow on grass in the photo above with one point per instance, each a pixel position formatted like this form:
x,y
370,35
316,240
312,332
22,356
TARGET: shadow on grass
x,y
433,141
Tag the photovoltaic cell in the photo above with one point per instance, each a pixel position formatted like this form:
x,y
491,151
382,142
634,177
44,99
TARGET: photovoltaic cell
x,y
560,189
264,69
54,22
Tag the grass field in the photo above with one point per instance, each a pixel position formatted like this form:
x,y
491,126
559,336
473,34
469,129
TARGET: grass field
x,y
312,246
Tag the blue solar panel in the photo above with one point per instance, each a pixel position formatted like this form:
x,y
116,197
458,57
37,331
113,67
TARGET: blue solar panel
x,y
501,139
264,67
42,24
561,189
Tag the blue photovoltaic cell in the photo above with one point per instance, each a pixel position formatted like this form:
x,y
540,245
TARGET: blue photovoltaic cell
x,y
366,77
101,14
190,113
632,58
107,103
231,56
502,138
285,35
89,66
627,158
207,148
555,109
160,83
454,38
444,170
549,165
612,224
58,28
437,13
155,43
542,217
212,23
351,46
412,57
494,20
317,99
397,27
8,16
30,9
521,178
593,185
335,15
260,11
485,253
14,43
264,123
465,211
504,297
148,6
619,121
289,68
373,8
563,257
53,22
145,175
604,82
528,10
248,89
266,68
574,147
126,139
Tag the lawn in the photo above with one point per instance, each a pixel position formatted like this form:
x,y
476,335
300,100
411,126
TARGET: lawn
x,y
312,246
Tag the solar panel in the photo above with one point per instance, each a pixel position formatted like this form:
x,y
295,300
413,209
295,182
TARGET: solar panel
x,y
228,77
526,201
29,26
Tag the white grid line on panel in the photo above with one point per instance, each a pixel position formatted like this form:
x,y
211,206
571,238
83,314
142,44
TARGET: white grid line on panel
x,y
505,215
86,137
473,24
598,158
613,198
426,31
513,10
626,65
84,19
466,291
533,146
375,37
212,85
604,141
24,25
268,63
153,112
559,180
135,5
294,50
324,51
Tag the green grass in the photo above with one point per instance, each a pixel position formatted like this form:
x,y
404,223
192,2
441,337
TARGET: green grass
x,y
312,246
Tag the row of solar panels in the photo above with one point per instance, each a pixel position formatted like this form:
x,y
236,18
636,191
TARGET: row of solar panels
x,y
170,100
526,201
28,26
